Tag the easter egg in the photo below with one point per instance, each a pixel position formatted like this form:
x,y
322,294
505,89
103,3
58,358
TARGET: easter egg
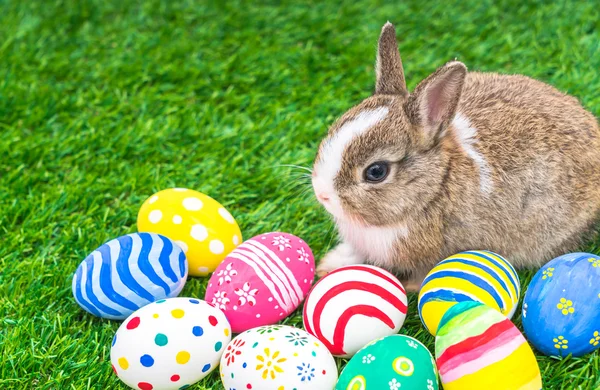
x,y
480,276
169,344
392,362
127,273
200,225
277,357
477,347
262,281
561,309
354,305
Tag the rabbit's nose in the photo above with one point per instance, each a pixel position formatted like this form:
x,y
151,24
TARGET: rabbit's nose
x,y
323,196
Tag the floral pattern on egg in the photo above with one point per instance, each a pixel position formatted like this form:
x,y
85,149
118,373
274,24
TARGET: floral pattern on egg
x,y
262,281
277,357
200,225
392,362
560,308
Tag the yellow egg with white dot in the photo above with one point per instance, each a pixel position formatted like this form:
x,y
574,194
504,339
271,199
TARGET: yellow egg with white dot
x,y
200,225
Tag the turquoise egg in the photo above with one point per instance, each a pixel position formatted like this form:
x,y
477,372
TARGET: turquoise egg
x,y
393,362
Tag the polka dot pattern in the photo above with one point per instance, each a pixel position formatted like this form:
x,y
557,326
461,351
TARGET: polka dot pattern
x,y
226,216
155,216
198,224
199,232
192,204
171,344
147,361
123,363
145,386
216,247
133,323
161,340
182,357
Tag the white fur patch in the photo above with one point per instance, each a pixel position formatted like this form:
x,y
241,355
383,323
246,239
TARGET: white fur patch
x,y
333,149
330,161
373,242
340,256
465,134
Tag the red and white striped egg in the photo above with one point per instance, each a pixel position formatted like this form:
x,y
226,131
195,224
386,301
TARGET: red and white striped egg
x,y
262,281
354,305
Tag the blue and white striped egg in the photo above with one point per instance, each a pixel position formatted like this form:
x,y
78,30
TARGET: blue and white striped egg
x,y
129,272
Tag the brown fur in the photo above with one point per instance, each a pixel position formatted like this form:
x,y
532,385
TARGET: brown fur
x,y
542,146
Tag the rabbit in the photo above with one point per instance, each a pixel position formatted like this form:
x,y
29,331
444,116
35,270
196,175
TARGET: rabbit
x,y
466,161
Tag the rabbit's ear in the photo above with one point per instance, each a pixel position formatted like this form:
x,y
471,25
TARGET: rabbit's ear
x,y
433,103
390,75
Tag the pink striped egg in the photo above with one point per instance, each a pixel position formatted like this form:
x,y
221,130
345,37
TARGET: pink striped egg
x,y
262,281
354,305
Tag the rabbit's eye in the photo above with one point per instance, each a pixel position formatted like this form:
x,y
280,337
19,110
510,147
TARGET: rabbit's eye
x,y
377,172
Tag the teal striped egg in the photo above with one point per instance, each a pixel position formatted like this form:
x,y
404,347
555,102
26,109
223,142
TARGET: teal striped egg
x,y
129,272
479,276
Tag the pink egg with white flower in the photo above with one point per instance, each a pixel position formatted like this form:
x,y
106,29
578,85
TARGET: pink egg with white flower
x,y
262,281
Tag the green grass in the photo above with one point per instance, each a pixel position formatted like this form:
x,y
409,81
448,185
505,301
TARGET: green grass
x,y
104,102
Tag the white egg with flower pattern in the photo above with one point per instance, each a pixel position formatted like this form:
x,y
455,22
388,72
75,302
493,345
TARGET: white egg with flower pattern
x,y
277,357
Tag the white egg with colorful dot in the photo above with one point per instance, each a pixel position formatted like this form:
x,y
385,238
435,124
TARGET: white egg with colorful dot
x,y
277,357
169,344
200,225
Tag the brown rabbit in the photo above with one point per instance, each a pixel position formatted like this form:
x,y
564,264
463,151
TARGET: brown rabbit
x,y
466,161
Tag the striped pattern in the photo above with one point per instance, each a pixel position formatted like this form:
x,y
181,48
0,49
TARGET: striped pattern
x,y
477,347
480,276
129,272
273,272
262,281
351,299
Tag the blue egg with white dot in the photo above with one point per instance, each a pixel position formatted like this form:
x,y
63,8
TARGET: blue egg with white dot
x,y
128,273
562,305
